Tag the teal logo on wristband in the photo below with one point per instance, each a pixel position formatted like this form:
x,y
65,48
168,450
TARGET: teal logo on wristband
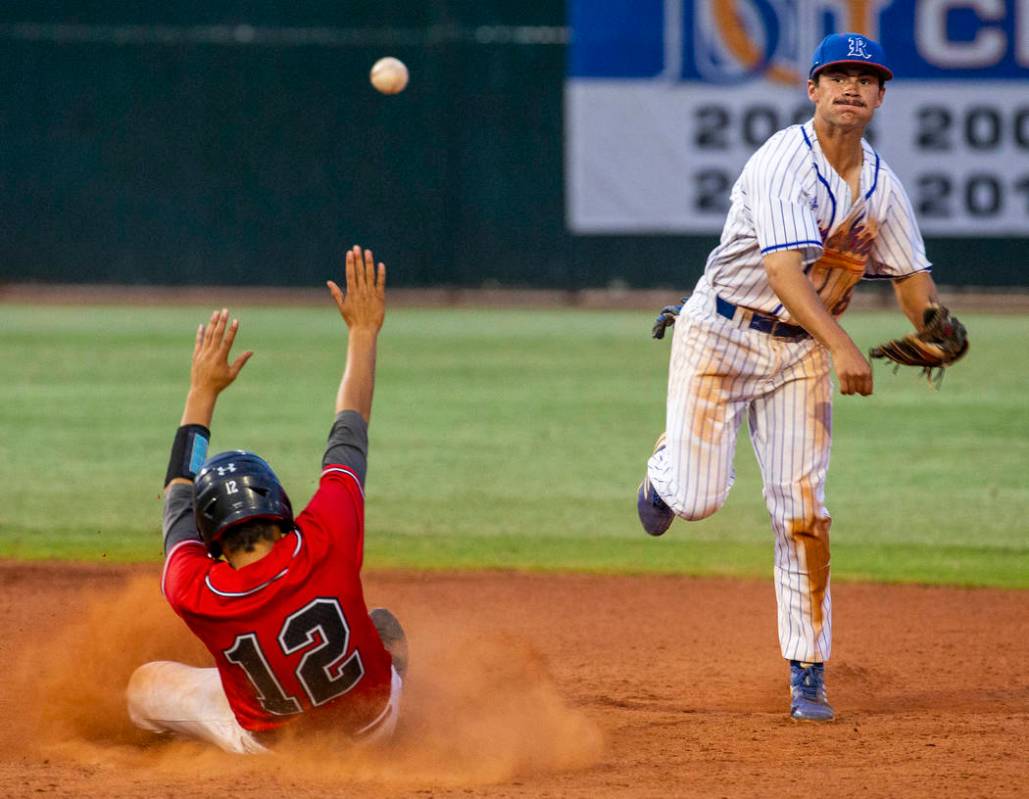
x,y
199,455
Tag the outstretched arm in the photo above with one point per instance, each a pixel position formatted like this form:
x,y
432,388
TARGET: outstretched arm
x,y
210,374
363,308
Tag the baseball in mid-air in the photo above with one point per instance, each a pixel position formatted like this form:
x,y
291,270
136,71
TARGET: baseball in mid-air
x,y
389,75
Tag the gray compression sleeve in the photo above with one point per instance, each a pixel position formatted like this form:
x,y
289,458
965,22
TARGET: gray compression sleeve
x,y
179,524
348,443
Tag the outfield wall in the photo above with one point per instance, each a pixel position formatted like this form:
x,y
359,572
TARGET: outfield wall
x,y
239,142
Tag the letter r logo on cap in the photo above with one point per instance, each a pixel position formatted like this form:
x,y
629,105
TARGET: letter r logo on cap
x,y
857,47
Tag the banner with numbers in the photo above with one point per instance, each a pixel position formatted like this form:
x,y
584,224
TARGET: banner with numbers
x,y
666,99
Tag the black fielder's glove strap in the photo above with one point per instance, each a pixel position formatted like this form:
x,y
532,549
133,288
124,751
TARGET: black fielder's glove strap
x,y
665,319
188,453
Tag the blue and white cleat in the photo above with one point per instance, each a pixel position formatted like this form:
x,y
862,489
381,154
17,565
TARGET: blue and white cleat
x,y
655,516
808,698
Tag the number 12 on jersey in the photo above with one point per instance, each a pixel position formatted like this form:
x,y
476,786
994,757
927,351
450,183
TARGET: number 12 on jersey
x,y
321,628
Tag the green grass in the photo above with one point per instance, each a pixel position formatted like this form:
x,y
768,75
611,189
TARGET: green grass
x,y
508,439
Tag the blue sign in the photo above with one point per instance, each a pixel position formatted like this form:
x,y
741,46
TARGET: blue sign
x,y
733,41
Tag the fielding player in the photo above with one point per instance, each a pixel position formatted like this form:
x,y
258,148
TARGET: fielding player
x,y
815,210
283,614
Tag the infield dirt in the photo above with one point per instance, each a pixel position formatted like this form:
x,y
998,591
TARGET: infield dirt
x,y
529,685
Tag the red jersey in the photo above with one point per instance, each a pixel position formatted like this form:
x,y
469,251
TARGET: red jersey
x,y
290,633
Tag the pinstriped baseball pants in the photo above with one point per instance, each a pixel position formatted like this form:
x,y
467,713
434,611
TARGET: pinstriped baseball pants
x,y
720,373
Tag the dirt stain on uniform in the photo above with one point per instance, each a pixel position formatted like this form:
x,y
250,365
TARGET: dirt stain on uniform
x,y
710,393
811,534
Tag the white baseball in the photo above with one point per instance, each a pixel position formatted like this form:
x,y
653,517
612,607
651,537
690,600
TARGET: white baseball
x,y
389,75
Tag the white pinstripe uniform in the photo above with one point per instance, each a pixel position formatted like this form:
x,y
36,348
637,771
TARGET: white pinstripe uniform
x,y
787,198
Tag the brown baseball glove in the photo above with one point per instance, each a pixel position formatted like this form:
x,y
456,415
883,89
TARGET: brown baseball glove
x,y
941,341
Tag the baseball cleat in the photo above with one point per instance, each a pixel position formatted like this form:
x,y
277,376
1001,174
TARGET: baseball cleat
x,y
392,635
808,698
655,516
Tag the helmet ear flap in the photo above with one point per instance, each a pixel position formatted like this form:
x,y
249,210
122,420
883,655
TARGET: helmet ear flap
x,y
207,514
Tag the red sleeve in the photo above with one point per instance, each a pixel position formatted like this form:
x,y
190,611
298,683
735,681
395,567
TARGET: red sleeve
x,y
337,511
184,570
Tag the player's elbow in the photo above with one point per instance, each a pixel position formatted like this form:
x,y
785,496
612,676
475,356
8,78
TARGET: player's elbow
x,y
779,265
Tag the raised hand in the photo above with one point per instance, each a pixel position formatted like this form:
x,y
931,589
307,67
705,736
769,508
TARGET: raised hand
x,y
363,305
211,370
363,308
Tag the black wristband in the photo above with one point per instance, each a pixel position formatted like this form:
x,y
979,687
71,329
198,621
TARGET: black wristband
x,y
188,453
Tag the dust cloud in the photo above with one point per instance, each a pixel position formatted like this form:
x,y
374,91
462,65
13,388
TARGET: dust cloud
x,y
479,707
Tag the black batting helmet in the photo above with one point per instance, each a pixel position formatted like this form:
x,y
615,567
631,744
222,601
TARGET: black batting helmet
x,y
236,487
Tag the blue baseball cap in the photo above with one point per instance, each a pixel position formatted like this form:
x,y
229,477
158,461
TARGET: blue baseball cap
x,y
850,48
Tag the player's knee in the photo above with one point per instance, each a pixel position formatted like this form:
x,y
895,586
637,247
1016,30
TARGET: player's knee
x,y
141,680
697,508
810,529
139,693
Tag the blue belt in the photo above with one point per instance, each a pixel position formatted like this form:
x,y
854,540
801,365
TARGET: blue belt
x,y
761,322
